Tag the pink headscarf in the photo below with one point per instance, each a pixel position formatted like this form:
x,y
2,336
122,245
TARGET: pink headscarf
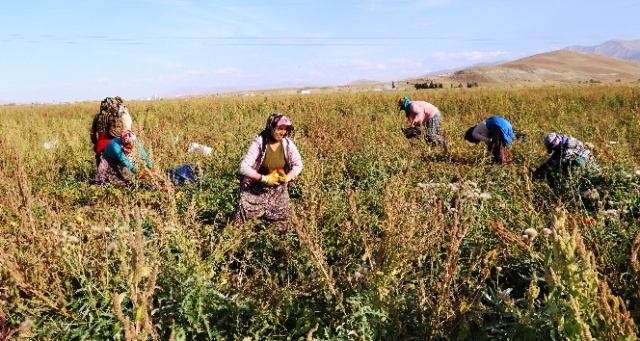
x,y
275,120
128,141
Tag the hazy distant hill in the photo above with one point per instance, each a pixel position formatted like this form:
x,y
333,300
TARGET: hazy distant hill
x,y
362,81
448,71
623,49
556,67
562,66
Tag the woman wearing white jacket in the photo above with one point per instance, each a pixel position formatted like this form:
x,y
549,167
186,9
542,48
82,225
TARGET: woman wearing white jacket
x,y
125,117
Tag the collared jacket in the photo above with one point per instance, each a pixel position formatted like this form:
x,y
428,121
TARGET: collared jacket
x,y
254,157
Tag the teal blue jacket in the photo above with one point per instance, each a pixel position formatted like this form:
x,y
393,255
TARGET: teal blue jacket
x,y
114,152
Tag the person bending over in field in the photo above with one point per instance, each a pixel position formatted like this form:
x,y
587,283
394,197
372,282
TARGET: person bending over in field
x,y
106,125
421,113
125,118
497,133
271,161
568,155
120,155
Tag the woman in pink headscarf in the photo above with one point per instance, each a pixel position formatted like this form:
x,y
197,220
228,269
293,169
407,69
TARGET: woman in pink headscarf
x,y
119,155
271,162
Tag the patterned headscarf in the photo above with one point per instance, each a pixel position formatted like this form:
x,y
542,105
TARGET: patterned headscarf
x,y
111,104
128,141
275,120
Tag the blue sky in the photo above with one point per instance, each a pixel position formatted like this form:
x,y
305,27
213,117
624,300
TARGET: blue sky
x,y
56,51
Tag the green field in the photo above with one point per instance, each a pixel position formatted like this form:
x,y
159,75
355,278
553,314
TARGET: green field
x,y
391,240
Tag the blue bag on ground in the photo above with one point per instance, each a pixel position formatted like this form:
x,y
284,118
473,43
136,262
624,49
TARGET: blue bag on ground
x,y
184,174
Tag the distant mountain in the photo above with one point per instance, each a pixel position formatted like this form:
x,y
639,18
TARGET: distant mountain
x,y
623,49
363,81
448,71
561,66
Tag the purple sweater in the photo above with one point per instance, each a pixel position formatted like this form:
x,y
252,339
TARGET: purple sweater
x,y
255,156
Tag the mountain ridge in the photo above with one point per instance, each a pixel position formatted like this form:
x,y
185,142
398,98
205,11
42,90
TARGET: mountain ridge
x,y
616,48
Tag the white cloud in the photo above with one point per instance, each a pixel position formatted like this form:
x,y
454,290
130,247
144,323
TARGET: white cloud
x,y
172,65
380,5
433,3
168,64
407,64
229,71
361,64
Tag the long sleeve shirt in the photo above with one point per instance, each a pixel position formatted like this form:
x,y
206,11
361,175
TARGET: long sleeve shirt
x,y
254,157
115,152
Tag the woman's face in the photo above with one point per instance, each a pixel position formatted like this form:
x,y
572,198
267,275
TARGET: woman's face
x,y
279,132
127,145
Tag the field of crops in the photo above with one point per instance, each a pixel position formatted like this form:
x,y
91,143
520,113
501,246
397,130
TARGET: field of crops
x,y
390,240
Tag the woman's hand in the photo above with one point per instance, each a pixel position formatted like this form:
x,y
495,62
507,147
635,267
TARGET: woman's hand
x,y
282,176
271,180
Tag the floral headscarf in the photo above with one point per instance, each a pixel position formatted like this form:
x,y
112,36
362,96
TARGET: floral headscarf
x,y
111,104
128,141
275,120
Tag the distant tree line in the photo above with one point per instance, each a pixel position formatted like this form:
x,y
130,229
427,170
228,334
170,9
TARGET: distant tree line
x,y
428,85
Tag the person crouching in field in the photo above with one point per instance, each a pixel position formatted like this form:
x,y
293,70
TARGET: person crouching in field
x,y
271,161
118,155
568,154
421,113
106,125
497,133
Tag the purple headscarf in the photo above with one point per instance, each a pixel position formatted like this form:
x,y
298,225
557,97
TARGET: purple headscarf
x,y
275,120
553,140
